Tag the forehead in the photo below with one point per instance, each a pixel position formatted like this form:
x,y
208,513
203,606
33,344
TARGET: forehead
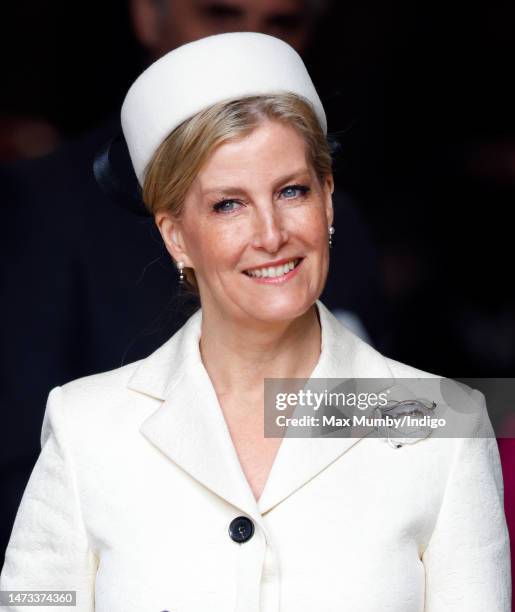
x,y
271,148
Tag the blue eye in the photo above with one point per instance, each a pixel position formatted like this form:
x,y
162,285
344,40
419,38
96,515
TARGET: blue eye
x,y
224,206
291,192
292,188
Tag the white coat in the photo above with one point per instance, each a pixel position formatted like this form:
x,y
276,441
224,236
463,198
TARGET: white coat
x,y
138,480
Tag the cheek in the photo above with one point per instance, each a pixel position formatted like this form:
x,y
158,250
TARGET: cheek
x,y
311,227
216,247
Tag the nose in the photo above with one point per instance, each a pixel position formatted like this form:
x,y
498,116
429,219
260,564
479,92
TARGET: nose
x,y
269,232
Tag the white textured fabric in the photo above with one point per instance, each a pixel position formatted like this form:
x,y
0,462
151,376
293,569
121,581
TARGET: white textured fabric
x,y
131,498
200,73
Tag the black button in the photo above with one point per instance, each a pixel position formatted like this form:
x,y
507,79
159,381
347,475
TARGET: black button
x,y
241,529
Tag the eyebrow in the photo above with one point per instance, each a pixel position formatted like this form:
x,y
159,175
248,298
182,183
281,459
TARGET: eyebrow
x,y
236,190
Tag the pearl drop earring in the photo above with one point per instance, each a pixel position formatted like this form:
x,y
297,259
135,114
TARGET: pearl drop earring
x,y
180,266
331,232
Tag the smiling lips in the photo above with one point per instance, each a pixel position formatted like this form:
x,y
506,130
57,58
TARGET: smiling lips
x,y
274,273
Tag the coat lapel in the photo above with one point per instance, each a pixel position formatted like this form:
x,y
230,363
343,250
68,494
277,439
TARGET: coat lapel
x,y
343,355
190,429
189,426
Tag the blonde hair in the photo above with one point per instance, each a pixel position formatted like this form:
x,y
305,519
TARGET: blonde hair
x,y
181,155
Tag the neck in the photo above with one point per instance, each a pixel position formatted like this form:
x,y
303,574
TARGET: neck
x,y
238,356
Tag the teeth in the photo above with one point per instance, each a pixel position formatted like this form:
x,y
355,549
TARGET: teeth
x,y
272,272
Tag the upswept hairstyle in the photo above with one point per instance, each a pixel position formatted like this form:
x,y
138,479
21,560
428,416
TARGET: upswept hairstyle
x,y
181,155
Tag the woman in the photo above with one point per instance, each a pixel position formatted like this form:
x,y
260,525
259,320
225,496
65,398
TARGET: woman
x,y
155,488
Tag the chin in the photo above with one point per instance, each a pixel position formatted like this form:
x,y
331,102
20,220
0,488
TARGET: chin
x,y
280,308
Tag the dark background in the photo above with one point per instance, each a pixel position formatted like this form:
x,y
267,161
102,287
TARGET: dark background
x,y
425,117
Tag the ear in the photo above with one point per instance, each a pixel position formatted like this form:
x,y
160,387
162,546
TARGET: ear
x,y
145,20
172,234
328,193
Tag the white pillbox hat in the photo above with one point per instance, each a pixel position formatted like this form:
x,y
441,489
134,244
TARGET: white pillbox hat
x,y
201,73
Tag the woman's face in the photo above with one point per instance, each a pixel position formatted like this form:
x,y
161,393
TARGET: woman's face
x,y
255,209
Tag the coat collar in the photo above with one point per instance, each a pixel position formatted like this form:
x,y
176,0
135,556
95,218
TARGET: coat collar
x,y
190,429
